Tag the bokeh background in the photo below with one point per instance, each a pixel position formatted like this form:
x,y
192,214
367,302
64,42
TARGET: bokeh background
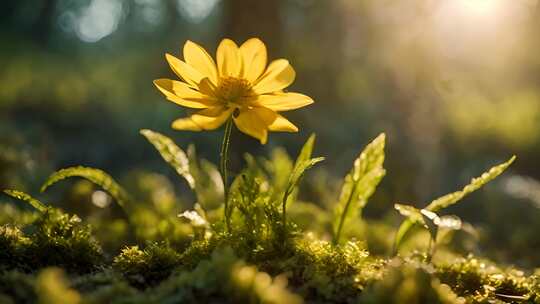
x,y
455,84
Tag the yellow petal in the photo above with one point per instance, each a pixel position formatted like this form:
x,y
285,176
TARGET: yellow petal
x,y
198,58
184,70
207,119
207,87
254,57
281,124
278,76
212,118
284,101
185,124
229,61
255,121
180,93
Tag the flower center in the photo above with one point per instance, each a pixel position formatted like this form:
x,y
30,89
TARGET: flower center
x,y
233,90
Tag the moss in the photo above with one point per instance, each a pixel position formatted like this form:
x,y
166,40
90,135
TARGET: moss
x,y
223,278
481,281
262,257
146,267
53,239
13,248
58,239
409,283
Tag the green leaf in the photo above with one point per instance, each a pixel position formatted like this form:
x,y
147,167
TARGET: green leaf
x,y
412,213
96,176
452,198
475,184
299,171
305,153
301,165
360,184
422,217
26,198
171,153
429,219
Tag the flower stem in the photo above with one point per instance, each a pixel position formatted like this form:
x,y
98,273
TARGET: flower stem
x,y
224,158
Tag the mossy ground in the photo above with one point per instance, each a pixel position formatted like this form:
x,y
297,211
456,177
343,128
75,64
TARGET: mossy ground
x,y
56,259
121,250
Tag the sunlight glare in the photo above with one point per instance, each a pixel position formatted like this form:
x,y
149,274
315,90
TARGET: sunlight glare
x,y
480,7
196,11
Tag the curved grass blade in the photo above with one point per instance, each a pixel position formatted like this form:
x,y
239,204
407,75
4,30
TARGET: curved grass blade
x,y
305,153
19,195
171,153
303,162
96,176
454,197
298,172
360,183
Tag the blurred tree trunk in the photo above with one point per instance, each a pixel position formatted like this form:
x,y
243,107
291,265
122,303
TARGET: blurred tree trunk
x,y
43,27
244,19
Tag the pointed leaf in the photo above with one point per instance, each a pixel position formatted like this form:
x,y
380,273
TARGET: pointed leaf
x,y
475,184
26,198
303,162
305,153
452,198
300,170
171,153
96,176
360,183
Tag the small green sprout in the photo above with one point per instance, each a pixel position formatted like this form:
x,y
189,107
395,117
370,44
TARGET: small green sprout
x,y
431,221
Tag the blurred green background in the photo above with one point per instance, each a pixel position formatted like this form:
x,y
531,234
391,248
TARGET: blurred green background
x,y
455,84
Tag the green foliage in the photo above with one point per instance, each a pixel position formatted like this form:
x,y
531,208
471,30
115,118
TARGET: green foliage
x,y
359,184
279,167
302,164
171,153
258,218
53,239
13,247
480,281
475,184
184,254
406,283
96,176
431,221
226,279
452,198
39,206
146,267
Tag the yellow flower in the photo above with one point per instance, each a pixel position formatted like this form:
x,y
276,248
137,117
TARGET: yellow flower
x,y
240,85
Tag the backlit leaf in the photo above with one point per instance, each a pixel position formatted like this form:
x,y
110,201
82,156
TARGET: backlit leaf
x,y
96,176
360,183
171,153
452,198
26,198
